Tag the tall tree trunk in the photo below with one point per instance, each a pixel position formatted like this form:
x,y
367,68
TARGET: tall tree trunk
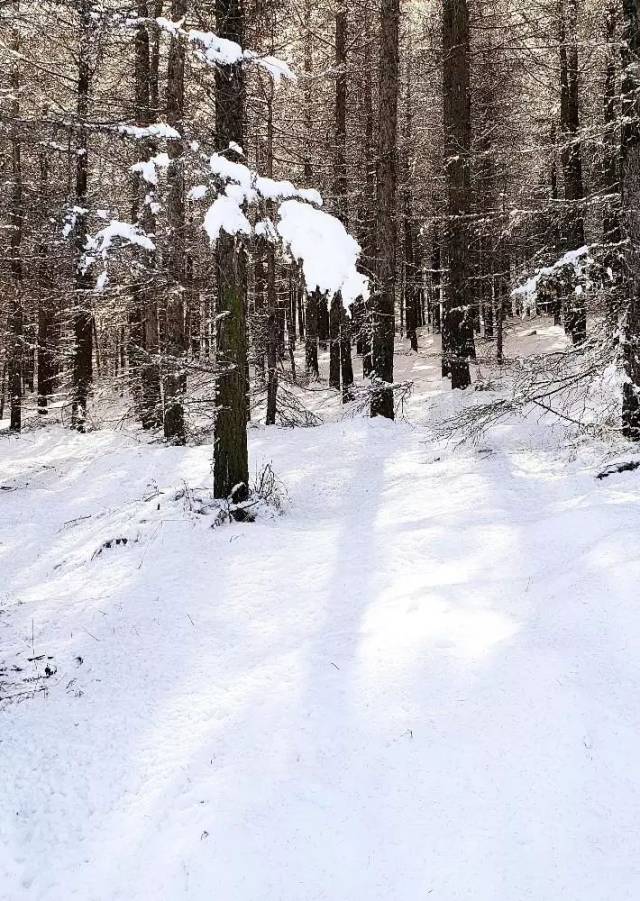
x,y
272,294
16,221
386,226
412,291
311,336
231,462
575,312
370,238
46,361
82,317
143,322
174,380
611,145
631,206
457,328
340,361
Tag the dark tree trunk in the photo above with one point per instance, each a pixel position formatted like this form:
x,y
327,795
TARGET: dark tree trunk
x,y
575,312
174,378
611,146
386,226
82,317
369,226
411,274
346,362
273,323
436,283
144,370
334,345
631,206
45,327
457,328
231,459
311,336
340,360
16,222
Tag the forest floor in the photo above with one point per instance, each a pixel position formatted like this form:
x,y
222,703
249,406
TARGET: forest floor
x,y
422,680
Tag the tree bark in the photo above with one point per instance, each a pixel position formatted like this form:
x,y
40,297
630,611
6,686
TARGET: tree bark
x,y
631,206
231,461
16,223
82,317
457,327
575,312
386,225
174,378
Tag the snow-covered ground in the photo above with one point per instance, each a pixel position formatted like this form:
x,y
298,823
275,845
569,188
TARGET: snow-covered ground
x,y
421,681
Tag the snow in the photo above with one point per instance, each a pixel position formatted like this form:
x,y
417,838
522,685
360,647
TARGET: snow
x,y
71,219
198,192
155,130
101,242
217,51
421,681
327,252
577,259
225,214
149,168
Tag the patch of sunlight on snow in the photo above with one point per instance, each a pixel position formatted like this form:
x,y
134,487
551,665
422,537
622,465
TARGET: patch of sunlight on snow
x,y
431,625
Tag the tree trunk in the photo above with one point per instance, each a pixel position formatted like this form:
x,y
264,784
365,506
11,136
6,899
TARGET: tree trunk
x,y
16,222
231,460
174,378
341,365
45,333
386,226
82,317
457,328
311,336
631,206
575,312
144,370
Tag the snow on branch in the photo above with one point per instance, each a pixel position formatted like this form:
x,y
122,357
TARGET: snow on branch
x,y
578,260
149,168
327,253
99,246
155,130
216,51
100,243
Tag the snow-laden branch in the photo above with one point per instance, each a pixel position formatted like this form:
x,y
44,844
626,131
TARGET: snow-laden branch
x,y
216,51
99,246
578,260
155,130
319,242
148,169
326,251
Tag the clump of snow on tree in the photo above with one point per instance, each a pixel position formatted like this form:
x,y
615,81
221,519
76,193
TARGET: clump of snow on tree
x,y
327,252
578,260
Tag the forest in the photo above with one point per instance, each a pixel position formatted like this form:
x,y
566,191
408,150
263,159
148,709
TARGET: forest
x,y
319,450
